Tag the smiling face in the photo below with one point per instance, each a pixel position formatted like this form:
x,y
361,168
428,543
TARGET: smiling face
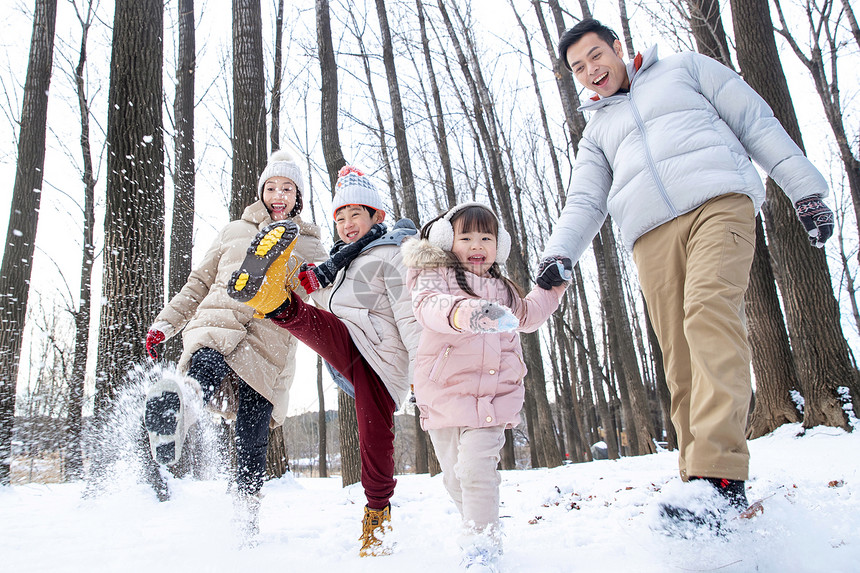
x,y
598,65
279,196
354,221
475,249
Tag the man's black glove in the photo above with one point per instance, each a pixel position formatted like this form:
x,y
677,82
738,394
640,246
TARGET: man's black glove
x,y
554,271
817,219
342,254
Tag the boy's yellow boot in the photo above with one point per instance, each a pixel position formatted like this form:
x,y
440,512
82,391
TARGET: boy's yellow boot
x,y
376,524
267,275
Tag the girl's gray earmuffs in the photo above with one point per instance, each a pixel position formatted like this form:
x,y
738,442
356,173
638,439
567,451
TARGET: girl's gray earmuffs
x,y
441,232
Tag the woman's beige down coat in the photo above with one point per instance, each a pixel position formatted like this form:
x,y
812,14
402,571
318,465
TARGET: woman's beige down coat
x,y
259,352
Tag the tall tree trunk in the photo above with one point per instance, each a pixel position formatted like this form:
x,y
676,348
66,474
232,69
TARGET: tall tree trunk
x,y
422,460
625,29
321,422
74,464
440,130
828,90
182,226
773,363
663,394
812,312
380,133
347,421
640,434
133,278
277,463
328,96
603,408
275,135
410,202
249,105
706,22
23,219
542,432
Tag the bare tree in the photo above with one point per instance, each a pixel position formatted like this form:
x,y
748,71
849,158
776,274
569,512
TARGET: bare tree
x,y
820,349
819,15
347,419
275,134
249,104
439,132
82,315
23,218
182,225
410,203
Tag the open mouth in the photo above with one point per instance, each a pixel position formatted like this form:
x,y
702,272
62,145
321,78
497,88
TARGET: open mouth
x,y
352,235
477,259
601,80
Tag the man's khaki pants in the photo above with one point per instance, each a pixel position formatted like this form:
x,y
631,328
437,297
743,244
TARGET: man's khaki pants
x,y
694,271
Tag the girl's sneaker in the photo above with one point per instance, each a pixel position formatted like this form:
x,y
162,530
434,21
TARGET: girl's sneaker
x,y
268,273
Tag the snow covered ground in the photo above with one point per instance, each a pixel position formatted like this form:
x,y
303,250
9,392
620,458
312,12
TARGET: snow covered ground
x,y
585,517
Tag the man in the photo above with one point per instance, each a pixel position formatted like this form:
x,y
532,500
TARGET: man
x,y
667,155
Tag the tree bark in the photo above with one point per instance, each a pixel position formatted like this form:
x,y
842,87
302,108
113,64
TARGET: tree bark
x,y
249,105
74,464
596,372
323,435
640,433
707,25
410,203
773,363
275,134
328,95
182,225
133,278
815,332
347,421
23,219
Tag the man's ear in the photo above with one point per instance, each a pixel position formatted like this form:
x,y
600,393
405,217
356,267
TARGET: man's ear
x,y
619,49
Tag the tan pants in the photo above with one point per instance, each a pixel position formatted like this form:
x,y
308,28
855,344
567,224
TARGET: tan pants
x,y
469,458
694,271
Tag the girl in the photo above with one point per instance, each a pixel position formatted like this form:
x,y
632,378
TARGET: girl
x,y
469,368
221,343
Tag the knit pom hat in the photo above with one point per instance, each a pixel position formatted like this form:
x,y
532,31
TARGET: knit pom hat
x,y
353,187
441,232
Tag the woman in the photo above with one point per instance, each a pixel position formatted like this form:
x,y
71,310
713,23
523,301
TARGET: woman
x,y
221,338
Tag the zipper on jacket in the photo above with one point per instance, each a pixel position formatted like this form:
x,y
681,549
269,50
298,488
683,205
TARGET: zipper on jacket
x,y
649,159
440,362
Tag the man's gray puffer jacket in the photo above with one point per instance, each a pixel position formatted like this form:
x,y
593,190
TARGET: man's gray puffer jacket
x,y
683,134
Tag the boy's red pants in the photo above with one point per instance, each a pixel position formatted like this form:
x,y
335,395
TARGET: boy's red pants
x,y
326,335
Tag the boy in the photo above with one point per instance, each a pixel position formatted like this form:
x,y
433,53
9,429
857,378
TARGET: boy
x,y
368,334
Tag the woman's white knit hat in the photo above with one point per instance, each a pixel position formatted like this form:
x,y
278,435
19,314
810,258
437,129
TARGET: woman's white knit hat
x,y
353,187
281,164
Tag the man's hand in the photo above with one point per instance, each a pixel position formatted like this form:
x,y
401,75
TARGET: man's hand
x,y
153,337
817,219
308,277
554,271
